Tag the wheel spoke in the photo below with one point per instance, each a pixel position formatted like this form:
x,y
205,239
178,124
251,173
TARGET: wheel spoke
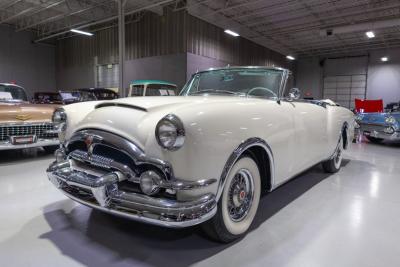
x,y
240,195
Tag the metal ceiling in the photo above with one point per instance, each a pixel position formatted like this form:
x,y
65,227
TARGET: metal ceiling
x,y
296,27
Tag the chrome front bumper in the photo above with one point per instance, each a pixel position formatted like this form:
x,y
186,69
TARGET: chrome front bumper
x,y
377,132
100,191
7,145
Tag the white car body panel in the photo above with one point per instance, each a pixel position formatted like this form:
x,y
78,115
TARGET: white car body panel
x,y
299,134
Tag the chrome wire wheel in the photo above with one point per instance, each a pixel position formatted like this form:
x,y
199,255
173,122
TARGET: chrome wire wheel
x,y
238,203
241,194
339,154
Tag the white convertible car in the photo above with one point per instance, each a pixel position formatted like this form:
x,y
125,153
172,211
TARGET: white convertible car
x,y
202,157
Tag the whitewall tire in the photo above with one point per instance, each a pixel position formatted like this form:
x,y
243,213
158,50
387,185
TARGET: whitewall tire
x,y
238,203
333,165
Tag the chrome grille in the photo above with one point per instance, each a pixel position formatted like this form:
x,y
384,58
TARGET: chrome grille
x,y
96,160
40,130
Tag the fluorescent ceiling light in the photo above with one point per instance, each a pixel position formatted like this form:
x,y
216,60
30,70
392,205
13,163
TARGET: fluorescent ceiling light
x,y
370,34
232,33
290,57
384,59
82,32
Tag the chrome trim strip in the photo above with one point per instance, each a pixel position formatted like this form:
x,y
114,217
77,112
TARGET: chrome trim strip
x,y
7,145
8,124
242,67
177,184
251,142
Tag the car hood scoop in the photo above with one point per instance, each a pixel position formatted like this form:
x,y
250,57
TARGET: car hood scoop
x,y
124,105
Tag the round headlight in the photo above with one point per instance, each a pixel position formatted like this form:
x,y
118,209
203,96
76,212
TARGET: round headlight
x,y
390,120
388,130
170,133
59,116
59,119
150,182
359,117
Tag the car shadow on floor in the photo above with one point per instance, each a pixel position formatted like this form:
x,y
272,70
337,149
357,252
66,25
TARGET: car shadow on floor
x,y
18,156
94,238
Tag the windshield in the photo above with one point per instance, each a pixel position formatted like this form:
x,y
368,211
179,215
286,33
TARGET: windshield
x,y
12,93
77,96
105,95
47,97
238,81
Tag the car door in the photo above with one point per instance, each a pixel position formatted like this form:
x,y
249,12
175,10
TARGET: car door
x,y
310,123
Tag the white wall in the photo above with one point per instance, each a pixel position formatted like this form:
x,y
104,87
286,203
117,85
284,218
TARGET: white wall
x,y
31,66
384,77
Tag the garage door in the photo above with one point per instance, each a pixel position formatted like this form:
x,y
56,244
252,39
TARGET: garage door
x,y
343,89
345,78
107,76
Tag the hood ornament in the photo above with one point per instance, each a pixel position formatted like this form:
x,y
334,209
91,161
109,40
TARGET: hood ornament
x,y
90,141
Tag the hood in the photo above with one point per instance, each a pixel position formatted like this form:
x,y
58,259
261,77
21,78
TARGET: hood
x,y
136,118
25,112
172,103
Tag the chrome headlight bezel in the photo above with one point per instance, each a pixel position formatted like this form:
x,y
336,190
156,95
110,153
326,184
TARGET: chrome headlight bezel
x,y
390,120
170,133
59,120
359,117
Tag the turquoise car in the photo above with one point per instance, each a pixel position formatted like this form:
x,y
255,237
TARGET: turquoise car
x,y
377,127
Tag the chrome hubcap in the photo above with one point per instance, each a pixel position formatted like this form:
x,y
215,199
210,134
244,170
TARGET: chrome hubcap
x,y
338,156
241,192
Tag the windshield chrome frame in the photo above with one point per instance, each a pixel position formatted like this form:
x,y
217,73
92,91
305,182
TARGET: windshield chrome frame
x,y
281,89
15,100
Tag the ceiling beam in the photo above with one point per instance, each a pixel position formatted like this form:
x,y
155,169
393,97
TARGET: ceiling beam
x,y
60,16
10,4
229,23
85,25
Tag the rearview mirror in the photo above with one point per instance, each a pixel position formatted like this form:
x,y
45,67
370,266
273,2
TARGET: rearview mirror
x,y
294,94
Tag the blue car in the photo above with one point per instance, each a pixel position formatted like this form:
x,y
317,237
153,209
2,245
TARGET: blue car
x,y
377,127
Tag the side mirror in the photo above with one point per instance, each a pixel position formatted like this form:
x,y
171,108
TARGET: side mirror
x,y
294,94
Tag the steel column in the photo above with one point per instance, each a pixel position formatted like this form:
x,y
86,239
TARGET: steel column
x,y
121,45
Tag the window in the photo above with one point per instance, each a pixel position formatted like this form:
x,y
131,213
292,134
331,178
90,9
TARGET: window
x,y
160,90
137,90
17,93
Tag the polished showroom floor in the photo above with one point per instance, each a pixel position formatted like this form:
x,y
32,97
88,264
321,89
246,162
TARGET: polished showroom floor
x,y
351,218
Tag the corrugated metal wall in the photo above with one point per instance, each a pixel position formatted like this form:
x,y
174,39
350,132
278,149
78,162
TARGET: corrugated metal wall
x,y
209,40
172,33
153,35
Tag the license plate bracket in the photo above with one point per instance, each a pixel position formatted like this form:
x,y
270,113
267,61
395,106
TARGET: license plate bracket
x,y
23,140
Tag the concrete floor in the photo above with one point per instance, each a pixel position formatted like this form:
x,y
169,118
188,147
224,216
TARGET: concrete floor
x,y
347,219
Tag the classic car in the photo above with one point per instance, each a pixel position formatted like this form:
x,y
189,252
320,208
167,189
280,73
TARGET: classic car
x,y
379,126
202,157
47,98
87,94
24,125
152,88
100,93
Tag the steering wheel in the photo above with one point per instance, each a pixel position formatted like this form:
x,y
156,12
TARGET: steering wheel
x,y
262,88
